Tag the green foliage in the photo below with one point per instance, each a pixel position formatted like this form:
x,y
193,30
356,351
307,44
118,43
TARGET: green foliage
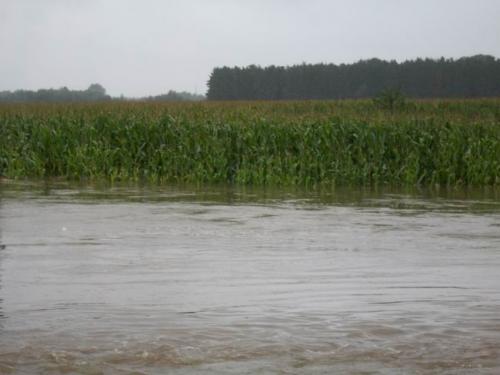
x,y
390,100
260,143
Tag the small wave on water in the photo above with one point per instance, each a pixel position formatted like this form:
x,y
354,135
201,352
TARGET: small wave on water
x,y
367,346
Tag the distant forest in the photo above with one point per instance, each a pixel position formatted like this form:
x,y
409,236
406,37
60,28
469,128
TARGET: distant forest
x,y
467,77
94,93
175,96
476,76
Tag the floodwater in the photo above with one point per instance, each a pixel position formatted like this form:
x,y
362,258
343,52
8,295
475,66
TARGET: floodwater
x,y
222,281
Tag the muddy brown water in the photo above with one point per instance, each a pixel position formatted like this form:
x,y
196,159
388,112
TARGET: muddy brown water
x,y
220,281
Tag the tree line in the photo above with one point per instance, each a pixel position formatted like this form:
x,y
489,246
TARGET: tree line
x,y
175,96
95,92
476,76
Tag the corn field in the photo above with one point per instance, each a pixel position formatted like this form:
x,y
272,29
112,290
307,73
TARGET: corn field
x,y
303,143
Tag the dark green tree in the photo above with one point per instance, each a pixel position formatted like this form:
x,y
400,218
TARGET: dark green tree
x,y
476,76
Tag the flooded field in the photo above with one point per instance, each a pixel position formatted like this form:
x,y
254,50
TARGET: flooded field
x,y
186,281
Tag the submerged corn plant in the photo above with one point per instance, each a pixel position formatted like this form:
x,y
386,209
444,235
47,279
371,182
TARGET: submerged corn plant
x,y
260,143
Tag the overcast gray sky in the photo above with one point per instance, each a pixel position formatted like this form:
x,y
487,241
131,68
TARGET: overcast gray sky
x,y
142,47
